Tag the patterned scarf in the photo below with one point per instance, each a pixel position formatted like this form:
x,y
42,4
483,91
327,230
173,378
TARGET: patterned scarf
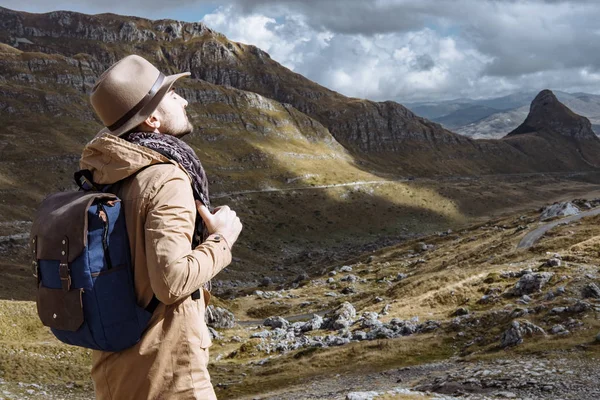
x,y
179,151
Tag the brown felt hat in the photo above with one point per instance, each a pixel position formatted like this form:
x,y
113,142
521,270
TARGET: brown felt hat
x,y
128,92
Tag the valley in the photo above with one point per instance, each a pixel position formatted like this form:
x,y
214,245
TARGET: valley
x,y
381,250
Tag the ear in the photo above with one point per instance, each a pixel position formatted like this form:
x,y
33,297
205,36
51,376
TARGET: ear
x,y
152,123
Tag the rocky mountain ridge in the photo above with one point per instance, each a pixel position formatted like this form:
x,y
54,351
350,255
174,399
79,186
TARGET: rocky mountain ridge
x,y
379,135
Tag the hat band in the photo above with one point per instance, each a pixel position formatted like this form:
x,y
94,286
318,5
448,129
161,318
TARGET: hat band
x,y
140,105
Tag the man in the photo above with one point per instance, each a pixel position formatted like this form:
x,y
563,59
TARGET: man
x,y
177,244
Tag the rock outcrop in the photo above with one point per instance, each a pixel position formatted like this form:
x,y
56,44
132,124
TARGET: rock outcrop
x,y
549,114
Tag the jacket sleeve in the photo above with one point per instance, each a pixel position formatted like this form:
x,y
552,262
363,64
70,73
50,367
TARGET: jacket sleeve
x,y
175,270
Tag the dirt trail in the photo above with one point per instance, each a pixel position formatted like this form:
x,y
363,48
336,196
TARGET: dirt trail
x,y
533,236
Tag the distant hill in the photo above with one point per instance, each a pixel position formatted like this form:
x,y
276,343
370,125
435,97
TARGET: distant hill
x,y
465,116
494,118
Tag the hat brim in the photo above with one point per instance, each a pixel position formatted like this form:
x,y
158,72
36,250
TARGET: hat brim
x,y
148,109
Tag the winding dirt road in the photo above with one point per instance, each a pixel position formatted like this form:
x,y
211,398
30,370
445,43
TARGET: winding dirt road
x,y
533,236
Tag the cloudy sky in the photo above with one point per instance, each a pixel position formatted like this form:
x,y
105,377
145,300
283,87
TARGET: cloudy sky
x,y
404,50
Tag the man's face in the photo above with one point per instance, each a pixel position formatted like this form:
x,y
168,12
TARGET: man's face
x,y
172,116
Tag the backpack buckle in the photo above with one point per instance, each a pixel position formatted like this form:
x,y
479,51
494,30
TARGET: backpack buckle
x,y
65,276
34,269
63,267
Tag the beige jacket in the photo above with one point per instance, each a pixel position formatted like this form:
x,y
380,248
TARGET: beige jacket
x,y
170,361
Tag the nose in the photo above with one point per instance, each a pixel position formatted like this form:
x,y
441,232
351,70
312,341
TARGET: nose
x,y
182,100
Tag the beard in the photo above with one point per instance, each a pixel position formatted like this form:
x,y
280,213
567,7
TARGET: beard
x,y
175,124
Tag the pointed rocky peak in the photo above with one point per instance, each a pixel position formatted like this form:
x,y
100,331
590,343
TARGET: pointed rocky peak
x,y
547,114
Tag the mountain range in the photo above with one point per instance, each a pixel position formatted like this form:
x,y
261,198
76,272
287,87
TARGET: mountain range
x,y
261,129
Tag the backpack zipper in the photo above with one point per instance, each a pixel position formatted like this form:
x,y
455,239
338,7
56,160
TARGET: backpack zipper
x,y
105,234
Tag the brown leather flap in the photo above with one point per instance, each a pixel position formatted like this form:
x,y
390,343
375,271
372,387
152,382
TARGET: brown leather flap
x,y
63,214
60,309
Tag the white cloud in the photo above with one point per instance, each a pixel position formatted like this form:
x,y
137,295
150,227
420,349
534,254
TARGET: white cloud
x,y
407,50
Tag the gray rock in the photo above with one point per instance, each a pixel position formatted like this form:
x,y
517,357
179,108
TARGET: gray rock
x,y
428,326
514,335
302,277
346,268
559,330
361,395
524,299
378,299
381,332
330,280
345,311
315,323
401,276
559,210
349,278
369,319
348,290
461,311
531,283
276,322
361,335
488,299
218,317
553,262
591,290
266,281
214,335
580,306
386,309
261,334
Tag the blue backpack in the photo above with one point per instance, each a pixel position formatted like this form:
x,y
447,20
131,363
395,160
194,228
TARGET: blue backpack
x,y
82,262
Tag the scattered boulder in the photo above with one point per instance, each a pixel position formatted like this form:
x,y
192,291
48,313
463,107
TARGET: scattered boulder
x,y
386,309
348,290
554,262
218,317
513,336
580,306
301,278
346,268
349,278
401,276
488,299
559,330
531,283
524,299
266,281
315,323
591,290
261,334
342,317
559,210
361,395
214,335
369,319
276,322
460,311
